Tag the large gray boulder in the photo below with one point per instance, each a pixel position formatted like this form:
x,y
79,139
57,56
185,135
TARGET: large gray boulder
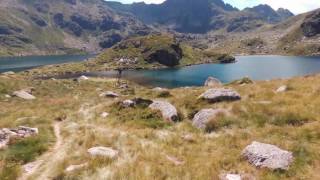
x,y
24,95
104,152
212,82
267,156
220,94
203,117
168,111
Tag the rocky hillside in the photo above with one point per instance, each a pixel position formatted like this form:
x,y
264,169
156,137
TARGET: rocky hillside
x,y
62,26
202,16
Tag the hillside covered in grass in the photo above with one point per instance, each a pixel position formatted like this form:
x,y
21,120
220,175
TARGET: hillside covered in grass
x,y
73,116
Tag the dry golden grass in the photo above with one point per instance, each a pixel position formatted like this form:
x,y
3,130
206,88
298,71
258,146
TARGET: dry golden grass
x,y
289,120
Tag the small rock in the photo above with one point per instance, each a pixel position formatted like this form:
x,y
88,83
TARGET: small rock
x,y
159,89
203,117
188,137
76,167
124,86
7,96
8,73
175,160
281,89
217,95
104,114
230,177
212,82
267,156
83,78
128,103
24,95
168,111
103,151
109,94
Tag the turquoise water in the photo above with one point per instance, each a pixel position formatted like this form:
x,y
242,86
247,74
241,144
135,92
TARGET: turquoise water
x,y
23,63
255,67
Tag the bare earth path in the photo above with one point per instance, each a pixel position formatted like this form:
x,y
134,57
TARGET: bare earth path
x,y
32,167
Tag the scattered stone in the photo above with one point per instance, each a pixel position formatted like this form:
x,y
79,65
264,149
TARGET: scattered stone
x,y
212,82
109,94
7,96
281,89
104,114
243,81
175,160
23,131
83,78
230,177
169,112
29,168
76,167
128,103
203,117
4,138
188,137
217,95
20,132
8,73
267,156
24,95
159,89
103,151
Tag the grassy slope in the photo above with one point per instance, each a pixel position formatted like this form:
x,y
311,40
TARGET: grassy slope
x,y
291,122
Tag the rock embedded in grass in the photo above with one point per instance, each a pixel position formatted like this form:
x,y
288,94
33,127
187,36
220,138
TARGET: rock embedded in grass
x,y
281,89
220,94
212,82
83,78
104,152
20,132
205,116
128,103
267,156
168,111
24,95
230,177
109,94
72,168
8,73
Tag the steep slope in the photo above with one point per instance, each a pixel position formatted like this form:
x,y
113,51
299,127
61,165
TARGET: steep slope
x,y
202,16
62,26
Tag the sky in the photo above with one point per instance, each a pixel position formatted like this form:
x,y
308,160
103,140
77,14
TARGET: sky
x,y
295,6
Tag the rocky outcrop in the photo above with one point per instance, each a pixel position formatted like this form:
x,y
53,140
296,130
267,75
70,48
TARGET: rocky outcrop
x,y
103,152
167,56
24,95
311,25
203,117
212,82
267,156
168,111
20,132
220,94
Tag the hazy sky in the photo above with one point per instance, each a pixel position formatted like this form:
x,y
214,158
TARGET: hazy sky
x,y
296,6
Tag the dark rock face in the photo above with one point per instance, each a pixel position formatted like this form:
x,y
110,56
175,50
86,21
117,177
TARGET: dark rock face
x,y
168,57
110,41
70,26
73,2
268,14
108,24
42,7
84,22
243,24
311,25
40,22
7,30
284,13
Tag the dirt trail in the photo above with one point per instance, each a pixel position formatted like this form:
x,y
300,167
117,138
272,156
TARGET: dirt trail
x,y
32,167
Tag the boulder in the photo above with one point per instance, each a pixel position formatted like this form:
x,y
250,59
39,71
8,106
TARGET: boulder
x,y
203,117
230,177
168,111
217,95
8,73
20,132
212,82
267,156
83,78
128,103
142,102
76,167
109,94
24,95
281,89
104,152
